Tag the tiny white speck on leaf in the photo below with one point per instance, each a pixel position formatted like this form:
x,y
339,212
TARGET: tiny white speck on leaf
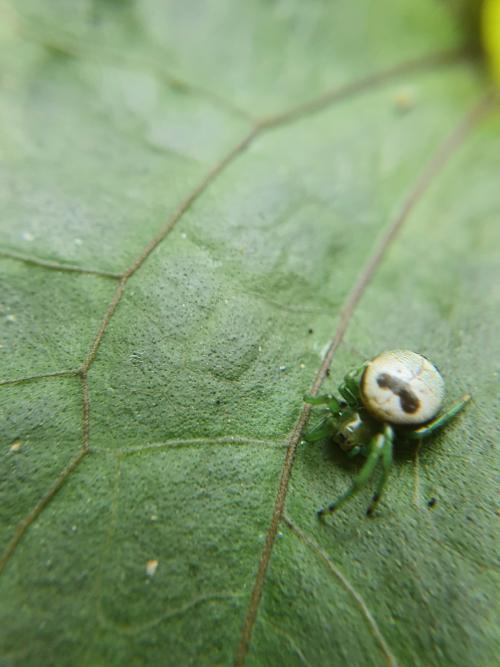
x,y
151,567
78,241
15,446
27,236
10,318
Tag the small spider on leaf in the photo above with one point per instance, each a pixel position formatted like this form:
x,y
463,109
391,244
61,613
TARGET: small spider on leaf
x,y
396,395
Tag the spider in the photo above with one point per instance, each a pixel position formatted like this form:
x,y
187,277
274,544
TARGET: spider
x,y
397,394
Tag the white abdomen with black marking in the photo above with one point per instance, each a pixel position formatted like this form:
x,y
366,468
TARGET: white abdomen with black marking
x,y
402,387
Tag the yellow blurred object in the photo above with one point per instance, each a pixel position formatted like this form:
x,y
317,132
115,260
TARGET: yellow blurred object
x,y
490,32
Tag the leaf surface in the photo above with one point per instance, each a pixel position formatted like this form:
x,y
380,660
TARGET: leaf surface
x,y
197,199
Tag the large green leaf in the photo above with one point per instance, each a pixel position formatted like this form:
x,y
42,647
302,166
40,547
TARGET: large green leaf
x,y
198,199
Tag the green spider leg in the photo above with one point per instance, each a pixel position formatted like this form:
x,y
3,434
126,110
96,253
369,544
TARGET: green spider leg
x,y
349,388
386,467
324,399
379,446
352,453
323,430
327,425
439,421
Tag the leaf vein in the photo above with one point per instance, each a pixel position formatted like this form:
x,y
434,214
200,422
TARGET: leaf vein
x,y
63,477
346,584
38,376
57,266
193,442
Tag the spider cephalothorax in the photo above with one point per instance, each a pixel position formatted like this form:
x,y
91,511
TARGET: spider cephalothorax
x,y
396,395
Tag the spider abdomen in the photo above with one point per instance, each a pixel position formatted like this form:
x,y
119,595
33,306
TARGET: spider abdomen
x,y
402,388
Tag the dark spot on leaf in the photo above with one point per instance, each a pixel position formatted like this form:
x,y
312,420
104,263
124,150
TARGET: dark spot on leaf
x,y
409,402
310,331
432,502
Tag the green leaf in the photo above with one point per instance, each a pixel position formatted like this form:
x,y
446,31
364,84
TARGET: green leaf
x,y
203,204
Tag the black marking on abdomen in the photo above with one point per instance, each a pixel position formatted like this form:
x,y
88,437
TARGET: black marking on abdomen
x,y
409,402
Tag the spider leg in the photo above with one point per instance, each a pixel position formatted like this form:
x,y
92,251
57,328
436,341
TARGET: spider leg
x,y
386,467
349,388
325,399
323,430
440,421
375,448
349,394
354,452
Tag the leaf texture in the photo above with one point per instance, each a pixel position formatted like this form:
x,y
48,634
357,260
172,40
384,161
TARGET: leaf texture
x,y
204,205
